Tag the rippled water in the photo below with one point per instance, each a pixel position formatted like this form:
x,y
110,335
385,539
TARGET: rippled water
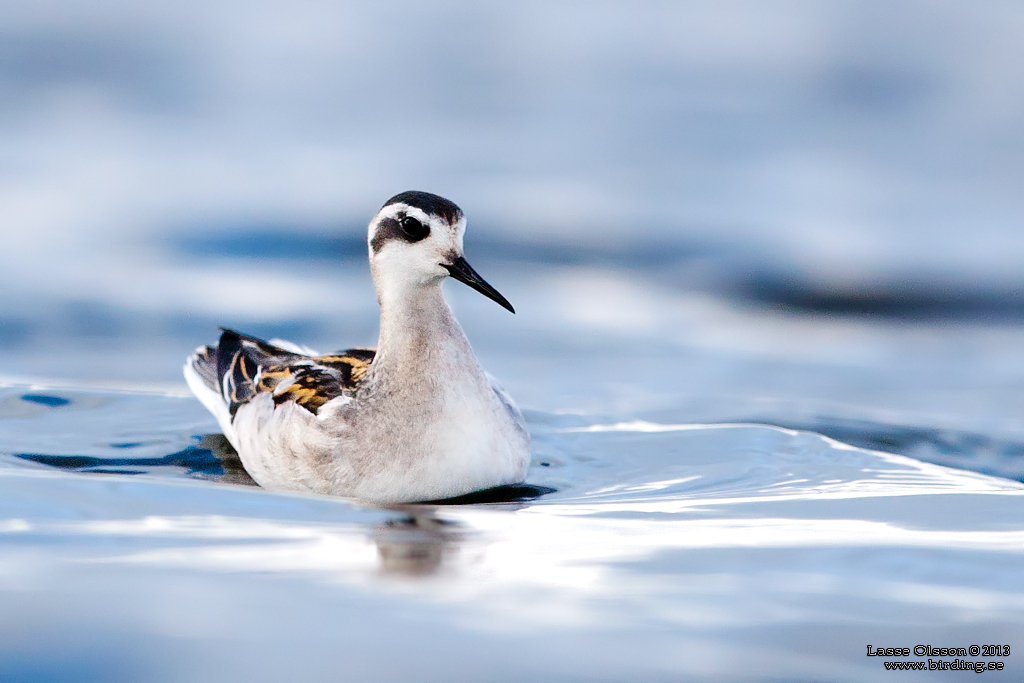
x,y
732,232
687,515
659,552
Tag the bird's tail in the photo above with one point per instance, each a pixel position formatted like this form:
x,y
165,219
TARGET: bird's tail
x,y
204,363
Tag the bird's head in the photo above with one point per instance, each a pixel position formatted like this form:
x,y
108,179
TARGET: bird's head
x,y
415,240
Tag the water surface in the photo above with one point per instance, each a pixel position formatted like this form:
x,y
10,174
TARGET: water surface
x,y
662,551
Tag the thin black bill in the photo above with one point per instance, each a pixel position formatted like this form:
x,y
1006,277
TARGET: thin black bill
x,y
463,272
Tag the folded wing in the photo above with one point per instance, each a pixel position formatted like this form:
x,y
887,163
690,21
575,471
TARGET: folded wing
x,y
242,367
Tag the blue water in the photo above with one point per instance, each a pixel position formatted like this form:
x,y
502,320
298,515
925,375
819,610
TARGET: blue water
x,y
694,510
131,536
766,261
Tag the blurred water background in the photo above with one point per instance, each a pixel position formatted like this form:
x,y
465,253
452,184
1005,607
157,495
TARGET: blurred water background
x,y
797,213
778,200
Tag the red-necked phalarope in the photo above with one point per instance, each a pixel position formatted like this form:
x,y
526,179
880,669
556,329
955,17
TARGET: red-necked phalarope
x,y
418,419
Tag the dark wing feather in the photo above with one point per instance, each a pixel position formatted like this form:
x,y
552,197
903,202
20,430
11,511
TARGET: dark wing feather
x,y
248,366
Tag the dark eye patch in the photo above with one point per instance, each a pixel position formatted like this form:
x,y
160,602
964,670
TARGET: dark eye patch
x,y
403,227
413,230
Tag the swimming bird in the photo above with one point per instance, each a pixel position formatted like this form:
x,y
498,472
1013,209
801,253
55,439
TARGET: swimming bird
x,y
417,419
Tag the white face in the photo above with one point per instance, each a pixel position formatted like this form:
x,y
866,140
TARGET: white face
x,y
408,247
412,248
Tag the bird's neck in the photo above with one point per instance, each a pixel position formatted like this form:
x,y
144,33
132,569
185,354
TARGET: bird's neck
x,y
419,333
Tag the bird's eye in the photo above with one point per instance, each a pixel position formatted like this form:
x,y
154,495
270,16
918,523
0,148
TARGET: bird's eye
x,y
413,229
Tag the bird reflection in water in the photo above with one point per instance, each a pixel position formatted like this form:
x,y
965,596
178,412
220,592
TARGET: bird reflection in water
x,y
233,472
417,544
421,542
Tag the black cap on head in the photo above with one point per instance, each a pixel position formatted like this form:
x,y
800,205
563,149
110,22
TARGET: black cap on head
x,y
430,204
